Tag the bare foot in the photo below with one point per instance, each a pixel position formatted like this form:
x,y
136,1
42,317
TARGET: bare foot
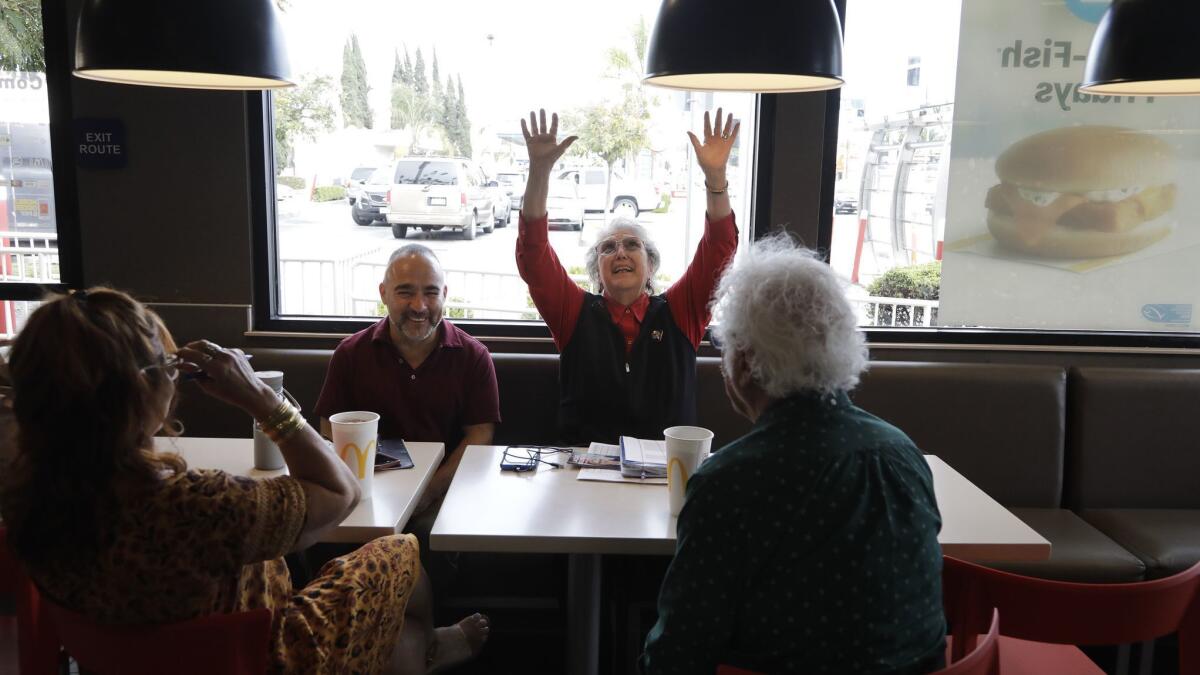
x,y
458,643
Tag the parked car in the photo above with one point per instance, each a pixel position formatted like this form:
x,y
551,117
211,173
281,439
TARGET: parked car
x,y
358,176
501,202
628,197
433,193
845,206
565,204
514,185
372,203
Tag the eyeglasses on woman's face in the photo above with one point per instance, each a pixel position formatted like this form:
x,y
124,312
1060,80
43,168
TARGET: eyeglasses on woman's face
x,y
169,366
629,243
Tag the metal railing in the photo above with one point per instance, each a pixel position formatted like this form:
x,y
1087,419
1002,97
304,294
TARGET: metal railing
x,y
321,287
29,257
25,257
473,294
13,314
895,311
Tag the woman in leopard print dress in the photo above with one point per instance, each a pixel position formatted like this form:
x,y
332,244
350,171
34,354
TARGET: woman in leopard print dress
x,y
111,529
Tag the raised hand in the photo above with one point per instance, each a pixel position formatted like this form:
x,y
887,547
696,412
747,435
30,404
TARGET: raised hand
x,y
542,143
713,153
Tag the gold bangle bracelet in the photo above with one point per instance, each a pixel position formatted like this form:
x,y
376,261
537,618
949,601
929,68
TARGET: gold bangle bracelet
x,y
287,427
280,413
716,192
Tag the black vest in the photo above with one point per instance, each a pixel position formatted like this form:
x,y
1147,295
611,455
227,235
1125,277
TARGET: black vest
x,y
604,395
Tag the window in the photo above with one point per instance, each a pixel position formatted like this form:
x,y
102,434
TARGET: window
x,y
436,93
35,247
977,187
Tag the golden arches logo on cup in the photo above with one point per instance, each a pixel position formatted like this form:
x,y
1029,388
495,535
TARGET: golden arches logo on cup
x,y
676,465
361,456
355,434
686,448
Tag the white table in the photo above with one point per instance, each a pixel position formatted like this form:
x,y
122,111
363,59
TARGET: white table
x,y
394,494
549,511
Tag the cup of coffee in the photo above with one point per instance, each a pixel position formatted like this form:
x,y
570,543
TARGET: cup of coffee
x,y
686,448
355,436
266,454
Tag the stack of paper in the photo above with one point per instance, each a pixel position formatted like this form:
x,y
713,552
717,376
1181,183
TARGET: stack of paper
x,y
641,458
598,456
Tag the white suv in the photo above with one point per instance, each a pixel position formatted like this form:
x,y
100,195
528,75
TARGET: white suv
x,y
433,193
629,197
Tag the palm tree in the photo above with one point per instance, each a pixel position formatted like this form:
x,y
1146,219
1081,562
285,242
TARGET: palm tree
x,y
412,111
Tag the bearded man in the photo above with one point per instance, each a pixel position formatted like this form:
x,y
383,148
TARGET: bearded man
x,y
427,379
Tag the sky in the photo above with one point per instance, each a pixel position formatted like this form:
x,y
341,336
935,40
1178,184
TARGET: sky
x,y
512,56
881,36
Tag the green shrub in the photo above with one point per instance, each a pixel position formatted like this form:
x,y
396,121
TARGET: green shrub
x,y
329,193
917,282
580,269
459,312
294,182
665,205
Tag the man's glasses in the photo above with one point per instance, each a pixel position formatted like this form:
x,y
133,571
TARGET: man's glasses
x,y
609,246
169,365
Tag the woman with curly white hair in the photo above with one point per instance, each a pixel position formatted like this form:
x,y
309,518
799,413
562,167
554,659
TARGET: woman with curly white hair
x,y
628,356
809,544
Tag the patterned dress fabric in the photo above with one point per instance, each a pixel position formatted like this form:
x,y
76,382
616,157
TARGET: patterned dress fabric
x,y
206,542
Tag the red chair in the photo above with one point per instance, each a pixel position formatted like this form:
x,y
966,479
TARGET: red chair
x,y
983,660
37,645
236,644
1040,611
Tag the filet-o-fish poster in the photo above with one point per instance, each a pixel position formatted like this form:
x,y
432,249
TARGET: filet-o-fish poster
x,y
1065,210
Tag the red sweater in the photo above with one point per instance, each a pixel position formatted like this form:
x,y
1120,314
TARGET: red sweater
x,y
559,299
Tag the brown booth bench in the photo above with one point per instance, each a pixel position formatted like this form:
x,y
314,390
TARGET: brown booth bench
x,y
1103,462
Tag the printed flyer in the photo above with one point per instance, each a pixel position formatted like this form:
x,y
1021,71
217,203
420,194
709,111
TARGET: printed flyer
x,y
1065,210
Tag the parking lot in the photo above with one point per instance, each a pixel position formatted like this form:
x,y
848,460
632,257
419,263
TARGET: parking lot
x,y
314,232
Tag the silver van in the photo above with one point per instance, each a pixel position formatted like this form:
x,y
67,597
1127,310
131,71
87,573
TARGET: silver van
x,y
432,193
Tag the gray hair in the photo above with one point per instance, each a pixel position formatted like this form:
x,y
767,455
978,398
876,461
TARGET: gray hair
x,y
412,249
786,312
653,257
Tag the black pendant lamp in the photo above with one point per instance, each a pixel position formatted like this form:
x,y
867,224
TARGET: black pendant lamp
x,y
1145,48
752,45
194,44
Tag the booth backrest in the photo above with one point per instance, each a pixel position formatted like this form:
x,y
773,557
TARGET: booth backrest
x,y
1001,426
303,375
528,397
1133,438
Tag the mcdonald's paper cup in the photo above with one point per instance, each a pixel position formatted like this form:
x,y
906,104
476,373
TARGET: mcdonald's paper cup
x,y
355,435
686,448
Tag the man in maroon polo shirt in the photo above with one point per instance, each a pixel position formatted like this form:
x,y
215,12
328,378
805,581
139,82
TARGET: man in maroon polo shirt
x,y
427,379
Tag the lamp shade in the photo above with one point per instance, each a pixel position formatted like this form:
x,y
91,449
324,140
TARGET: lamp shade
x,y
1145,48
195,44
750,45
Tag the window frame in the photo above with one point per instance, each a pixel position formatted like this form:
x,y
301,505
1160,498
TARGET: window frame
x,y
59,59
265,317
974,338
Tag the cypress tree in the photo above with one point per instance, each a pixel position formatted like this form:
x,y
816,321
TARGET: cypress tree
x,y
356,110
419,83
